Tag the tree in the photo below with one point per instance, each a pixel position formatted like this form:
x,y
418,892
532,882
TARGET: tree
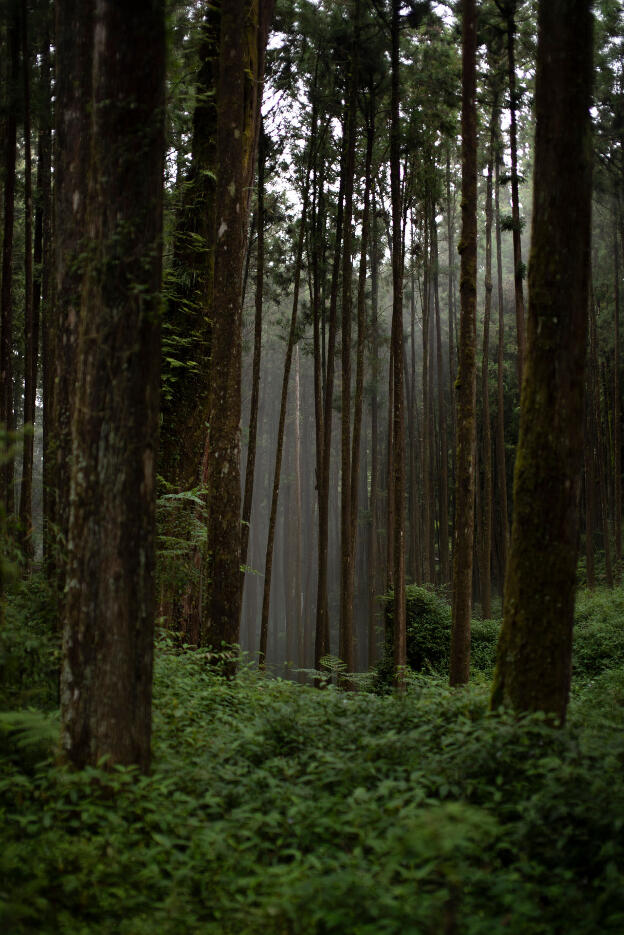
x,y
466,386
109,614
534,654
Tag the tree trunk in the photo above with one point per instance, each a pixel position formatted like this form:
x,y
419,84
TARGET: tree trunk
x,y
466,379
257,352
398,421
617,429
515,198
445,573
486,513
106,682
7,416
500,424
535,648
31,326
292,337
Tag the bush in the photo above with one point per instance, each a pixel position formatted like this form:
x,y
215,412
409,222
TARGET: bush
x,y
30,647
276,808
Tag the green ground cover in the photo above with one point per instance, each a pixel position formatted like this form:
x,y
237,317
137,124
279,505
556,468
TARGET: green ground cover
x,y
277,808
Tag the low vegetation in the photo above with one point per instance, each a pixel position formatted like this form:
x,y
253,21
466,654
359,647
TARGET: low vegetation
x,y
277,808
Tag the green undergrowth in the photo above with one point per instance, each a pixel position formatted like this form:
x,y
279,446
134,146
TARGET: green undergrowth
x,y
277,808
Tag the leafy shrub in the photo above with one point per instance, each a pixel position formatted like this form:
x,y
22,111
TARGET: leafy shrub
x,y
30,647
276,808
598,632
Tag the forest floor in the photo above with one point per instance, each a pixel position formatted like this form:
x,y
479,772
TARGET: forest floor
x,y
276,808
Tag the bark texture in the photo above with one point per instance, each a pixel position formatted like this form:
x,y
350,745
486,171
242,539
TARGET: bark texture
x,y
534,654
466,385
106,681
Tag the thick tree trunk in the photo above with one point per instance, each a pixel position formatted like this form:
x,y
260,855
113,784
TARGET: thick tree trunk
x,y
535,648
466,379
106,683
74,48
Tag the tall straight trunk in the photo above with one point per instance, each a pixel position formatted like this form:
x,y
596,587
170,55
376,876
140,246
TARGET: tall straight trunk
x,y
445,573
346,649
617,429
466,379
589,496
500,422
359,370
398,421
257,353
297,523
321,642
597,439
241,62
31,326
106,683
373,552
451,318
71,156
43,269
292,336
427,446
535,648
515,197
486,512
7,415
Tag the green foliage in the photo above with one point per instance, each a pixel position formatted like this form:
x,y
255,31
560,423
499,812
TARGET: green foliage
x,y
30,647
598,632
276,808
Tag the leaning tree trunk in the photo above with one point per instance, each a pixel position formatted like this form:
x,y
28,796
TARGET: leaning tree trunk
x,y
466,378
106,683
535,647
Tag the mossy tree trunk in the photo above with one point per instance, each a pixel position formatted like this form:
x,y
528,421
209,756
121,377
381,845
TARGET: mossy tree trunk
x,y
466,385
106,683
535,648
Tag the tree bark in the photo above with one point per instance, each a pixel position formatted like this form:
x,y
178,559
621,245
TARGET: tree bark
x,y
106,681
466,378
535,648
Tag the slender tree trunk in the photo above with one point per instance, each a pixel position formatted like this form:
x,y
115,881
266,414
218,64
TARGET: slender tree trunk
x,y
486,532
466,379
43,279
31,327
535,647
373,553
617,429
292,337
500,430
515,198
106,683
589,496
346,649
321,644
7,416
445,572
257,353
597,439
398,421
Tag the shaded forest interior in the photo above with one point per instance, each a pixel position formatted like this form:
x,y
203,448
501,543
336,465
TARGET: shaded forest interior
x,y
310,379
